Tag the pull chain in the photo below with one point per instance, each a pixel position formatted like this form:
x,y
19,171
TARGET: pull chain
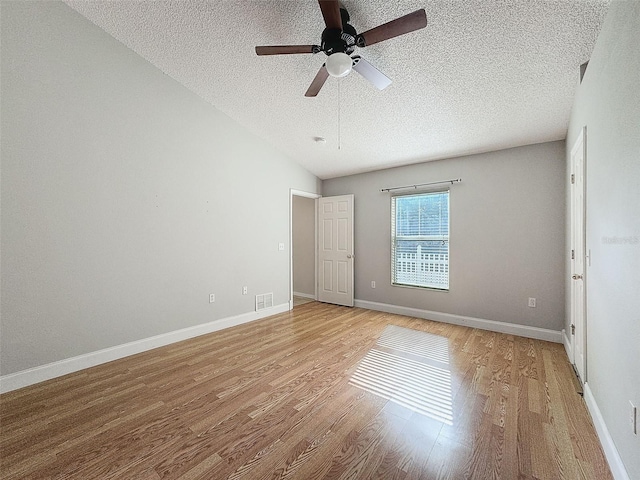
x,y
339,141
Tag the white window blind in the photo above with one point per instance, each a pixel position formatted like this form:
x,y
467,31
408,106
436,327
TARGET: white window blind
x,y
420,240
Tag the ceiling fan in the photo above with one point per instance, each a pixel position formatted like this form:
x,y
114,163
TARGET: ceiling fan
x,y
339,40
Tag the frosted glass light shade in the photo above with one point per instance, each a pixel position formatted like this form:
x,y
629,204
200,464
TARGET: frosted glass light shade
x,y
338,64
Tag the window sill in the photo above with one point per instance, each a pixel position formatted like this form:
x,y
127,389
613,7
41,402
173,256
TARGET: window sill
x,y
416,287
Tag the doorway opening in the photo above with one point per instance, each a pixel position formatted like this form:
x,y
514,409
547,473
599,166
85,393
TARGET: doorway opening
x,y
303,241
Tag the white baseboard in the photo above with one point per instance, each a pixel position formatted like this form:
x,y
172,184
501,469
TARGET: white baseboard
x,y
492,325
618,470
568,347
69,365
304,295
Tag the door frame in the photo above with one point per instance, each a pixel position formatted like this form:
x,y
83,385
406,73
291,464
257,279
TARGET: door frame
x,y
315,196
580,143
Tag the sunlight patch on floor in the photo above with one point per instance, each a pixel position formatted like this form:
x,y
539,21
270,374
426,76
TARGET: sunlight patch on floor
x,y
411,369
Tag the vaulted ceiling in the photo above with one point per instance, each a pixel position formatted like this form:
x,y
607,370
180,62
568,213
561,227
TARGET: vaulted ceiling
x,y
482,76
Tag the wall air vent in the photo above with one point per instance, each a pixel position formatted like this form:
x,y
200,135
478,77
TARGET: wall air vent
x,y
264,300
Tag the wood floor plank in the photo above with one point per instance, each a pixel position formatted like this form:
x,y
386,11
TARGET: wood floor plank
x,y
298,443
275,399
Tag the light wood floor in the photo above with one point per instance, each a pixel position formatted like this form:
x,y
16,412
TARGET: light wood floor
x,y
319,392
301,300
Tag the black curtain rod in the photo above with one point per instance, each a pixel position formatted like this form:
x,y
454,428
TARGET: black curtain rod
x,y
455,180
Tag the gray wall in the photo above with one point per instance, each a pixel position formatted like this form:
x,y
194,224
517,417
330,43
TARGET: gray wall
x,y
608,103
304,246
507,235
126,199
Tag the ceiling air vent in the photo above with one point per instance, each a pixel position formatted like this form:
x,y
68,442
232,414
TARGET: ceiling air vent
x,y
264,300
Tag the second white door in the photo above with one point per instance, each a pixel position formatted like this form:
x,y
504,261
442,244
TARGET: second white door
x,y
578,323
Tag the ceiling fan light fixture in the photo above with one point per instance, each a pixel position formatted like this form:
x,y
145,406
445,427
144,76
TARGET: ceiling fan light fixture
x,y
339,64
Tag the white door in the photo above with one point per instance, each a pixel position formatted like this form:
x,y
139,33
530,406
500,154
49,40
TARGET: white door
x,y
335,250
578,323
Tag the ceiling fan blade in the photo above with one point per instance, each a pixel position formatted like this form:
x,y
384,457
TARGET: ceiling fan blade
x,y
318,82
394,28
284,49
331,13
371,73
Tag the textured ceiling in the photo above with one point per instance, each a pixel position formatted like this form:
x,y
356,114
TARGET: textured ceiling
x,y
482,76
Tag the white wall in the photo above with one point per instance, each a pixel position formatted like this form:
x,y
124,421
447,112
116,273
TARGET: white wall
x,y
304,246
608,103
507,235
126,199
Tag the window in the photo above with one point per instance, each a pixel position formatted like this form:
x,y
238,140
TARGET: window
x,y
420,240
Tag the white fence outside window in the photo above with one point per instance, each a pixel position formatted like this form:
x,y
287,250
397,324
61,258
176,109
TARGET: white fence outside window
x,y
420,268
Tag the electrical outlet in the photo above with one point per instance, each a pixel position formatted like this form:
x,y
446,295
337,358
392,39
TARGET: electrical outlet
x,y
373,284
532,302
281,246
212,297
633,418
244,290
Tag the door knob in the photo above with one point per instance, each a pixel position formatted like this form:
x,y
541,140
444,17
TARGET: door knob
x,y
348,256
576,277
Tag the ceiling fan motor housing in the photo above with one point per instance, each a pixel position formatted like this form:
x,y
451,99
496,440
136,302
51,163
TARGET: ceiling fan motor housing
x,y
335,40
